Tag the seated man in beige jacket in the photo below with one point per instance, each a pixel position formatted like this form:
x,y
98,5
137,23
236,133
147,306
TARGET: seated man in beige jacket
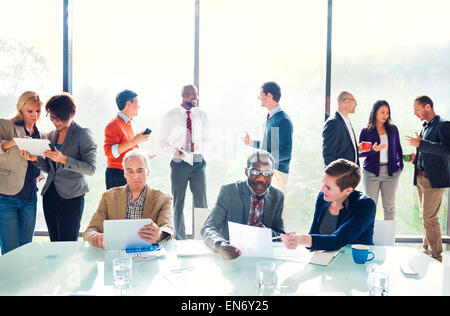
x,y
134,201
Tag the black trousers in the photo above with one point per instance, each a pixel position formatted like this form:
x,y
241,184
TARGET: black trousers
x,y
114,178
181,174
63,216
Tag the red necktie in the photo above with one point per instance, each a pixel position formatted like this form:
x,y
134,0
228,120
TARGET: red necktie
x,y
268,114
188,131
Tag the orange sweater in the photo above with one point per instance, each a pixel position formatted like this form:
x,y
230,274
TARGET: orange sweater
x,y
117,132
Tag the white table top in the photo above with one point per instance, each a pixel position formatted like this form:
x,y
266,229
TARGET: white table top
x,y
68,268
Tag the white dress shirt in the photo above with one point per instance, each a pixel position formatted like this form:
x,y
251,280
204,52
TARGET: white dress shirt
x,y
352,134
173,130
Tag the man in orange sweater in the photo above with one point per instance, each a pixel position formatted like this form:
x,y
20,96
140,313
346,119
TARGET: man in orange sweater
x,y
120,138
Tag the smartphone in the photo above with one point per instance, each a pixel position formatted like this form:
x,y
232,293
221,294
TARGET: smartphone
x,y
147,131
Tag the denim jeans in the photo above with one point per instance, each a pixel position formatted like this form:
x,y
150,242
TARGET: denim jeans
x,y
17,222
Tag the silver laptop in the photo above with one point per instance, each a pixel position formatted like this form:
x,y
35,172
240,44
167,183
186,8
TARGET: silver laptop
x,y
123,234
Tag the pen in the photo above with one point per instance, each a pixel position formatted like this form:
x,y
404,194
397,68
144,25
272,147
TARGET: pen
x,y
279,237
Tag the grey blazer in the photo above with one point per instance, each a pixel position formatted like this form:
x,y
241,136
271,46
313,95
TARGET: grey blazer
x,y
233,204
81,150
13,167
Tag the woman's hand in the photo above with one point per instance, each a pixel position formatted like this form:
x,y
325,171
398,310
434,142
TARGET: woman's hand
x,y
377,147
26,155
8,145
56,156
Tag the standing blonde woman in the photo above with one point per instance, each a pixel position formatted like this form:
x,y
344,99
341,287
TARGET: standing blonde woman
x,y
18,177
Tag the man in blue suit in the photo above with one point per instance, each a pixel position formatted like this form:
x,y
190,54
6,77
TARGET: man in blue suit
x,y
277,138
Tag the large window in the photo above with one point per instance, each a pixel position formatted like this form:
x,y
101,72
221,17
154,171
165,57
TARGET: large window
x,y
242,45
30,56
145,46
394,50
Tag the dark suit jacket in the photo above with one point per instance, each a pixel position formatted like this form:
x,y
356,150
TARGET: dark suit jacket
x,y
355,223
233,204
337,142
435,150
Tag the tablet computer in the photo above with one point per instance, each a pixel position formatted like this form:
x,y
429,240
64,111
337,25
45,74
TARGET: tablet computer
x,y
123,234
35,147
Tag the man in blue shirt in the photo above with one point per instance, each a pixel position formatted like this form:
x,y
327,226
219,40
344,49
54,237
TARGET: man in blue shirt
x,y
277,138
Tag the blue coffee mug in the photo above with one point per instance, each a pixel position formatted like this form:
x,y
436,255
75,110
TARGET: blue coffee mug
x,y
361,254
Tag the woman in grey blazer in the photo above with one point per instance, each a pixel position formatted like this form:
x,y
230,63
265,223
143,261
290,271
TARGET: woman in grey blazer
x,y
74,157
18,177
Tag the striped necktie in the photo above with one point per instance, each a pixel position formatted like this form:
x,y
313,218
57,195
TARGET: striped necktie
x,y
188,131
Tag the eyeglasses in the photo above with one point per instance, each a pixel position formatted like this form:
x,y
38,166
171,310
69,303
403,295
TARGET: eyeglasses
x,y
52,117
132,172
255,173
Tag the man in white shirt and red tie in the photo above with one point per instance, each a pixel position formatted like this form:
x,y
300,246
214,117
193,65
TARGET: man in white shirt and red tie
x,y
186,128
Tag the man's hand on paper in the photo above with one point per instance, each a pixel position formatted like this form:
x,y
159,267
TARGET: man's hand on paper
x,y
229,252
177,153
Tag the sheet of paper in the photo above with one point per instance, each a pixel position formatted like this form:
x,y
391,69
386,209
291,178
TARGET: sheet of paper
x,y
188,157
35,147
252,241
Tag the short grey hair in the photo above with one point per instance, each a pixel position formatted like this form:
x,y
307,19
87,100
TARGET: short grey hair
x,y
261,156
137,153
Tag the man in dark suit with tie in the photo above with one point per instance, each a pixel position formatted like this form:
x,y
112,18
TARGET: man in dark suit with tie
x,y
251,202
339,139
432,171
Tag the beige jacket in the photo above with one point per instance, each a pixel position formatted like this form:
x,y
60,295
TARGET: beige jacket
x,y
113,205
13,167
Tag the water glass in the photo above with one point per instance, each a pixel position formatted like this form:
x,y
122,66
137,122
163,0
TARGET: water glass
x,y
122,271
378,282
266,275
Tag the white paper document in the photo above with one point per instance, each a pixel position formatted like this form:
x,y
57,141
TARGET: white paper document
x,y
251,241
188,157
35,147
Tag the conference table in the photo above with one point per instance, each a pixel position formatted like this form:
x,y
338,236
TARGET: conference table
x,y
77,268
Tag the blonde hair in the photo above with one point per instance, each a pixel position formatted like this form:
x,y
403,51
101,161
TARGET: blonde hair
x,y
26,98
